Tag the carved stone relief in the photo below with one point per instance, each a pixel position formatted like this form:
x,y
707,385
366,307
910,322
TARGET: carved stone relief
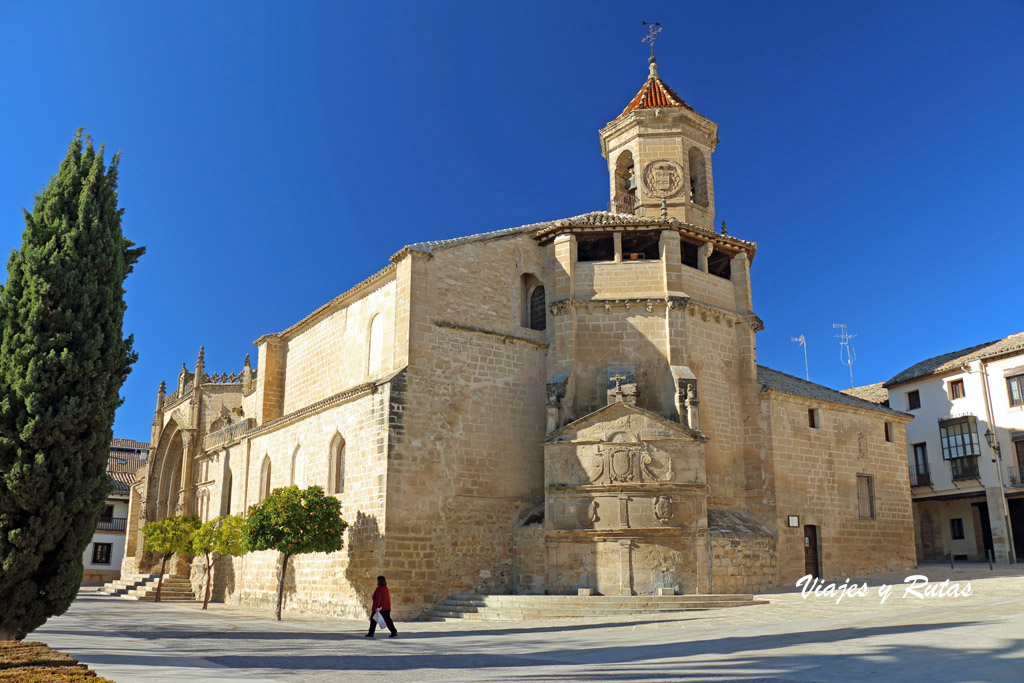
x,y
663,511
663,178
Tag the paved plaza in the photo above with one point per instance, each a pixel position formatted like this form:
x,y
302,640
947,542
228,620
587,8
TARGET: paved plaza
x,y
974,638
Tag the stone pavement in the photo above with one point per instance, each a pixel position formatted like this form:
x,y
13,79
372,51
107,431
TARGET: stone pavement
x,y
975,638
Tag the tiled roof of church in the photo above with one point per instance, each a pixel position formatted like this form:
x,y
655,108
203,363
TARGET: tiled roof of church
x,y
591,219
953,360
773,380
654,94
875,393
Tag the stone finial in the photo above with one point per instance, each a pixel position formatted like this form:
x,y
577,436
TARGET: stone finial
x,y
692,404
246,375
200,364
653,67
160,394
724,230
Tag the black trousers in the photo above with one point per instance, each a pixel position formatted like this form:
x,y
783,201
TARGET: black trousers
x,y
386,613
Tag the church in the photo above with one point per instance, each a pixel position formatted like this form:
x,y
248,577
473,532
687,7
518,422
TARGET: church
x,y
571,404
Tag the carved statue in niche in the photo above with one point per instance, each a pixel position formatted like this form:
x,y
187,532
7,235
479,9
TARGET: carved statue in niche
x,y
663,511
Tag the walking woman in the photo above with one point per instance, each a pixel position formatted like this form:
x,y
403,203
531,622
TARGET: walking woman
x,y
381,604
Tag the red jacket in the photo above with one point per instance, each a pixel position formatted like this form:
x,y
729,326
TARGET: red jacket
x,y
381,599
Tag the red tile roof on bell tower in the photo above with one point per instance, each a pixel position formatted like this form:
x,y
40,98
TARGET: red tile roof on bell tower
x,y
654,94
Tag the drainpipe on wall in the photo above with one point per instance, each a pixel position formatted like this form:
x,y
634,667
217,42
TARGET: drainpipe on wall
x,y
999,463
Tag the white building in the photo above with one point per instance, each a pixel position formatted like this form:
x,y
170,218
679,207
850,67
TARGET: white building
x,y
966,449
102,557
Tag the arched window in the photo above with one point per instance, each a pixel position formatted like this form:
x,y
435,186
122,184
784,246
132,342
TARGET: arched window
x,y
625,200
376,342
225,496
533,310
265,478
698,178
298,470
336,471
538,312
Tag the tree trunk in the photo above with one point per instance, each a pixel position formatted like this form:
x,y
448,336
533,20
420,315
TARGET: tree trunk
x,y
160,581
7,635
209,571
280,586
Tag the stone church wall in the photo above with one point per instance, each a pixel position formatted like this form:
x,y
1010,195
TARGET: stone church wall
x,y
728,392
333,353
743,564
816,475
336,583
466,462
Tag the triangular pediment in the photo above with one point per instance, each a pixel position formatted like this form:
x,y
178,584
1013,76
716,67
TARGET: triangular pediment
x,y
623,422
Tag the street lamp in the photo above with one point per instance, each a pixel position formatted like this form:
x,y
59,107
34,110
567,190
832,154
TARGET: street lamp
x,y
992,442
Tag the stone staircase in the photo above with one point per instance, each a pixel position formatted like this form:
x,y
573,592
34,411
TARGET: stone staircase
x,y
143,587
525,607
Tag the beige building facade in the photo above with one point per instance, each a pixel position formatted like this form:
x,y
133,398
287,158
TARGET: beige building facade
x,y
563,405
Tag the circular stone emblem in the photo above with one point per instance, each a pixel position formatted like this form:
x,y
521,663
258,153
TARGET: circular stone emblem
x,y
663,178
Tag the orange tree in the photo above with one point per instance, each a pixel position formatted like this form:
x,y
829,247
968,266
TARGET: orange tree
x,y
294,521
169,537
217,539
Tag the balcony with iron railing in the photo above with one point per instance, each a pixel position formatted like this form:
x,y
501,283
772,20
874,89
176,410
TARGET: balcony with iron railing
x,y
1013,476
920,478
112,524
964,468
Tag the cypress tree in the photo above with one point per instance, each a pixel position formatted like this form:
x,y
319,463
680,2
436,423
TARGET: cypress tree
x,y
63,360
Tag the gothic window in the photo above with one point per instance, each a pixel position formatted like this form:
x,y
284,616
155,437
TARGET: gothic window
x,y
336,471
533,309
538,313
265,478
698,178
298,473
376,342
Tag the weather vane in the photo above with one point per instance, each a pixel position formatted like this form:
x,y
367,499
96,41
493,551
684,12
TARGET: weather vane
x,y
652,33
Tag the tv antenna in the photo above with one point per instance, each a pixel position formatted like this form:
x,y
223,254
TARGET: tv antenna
x,y
803,342
847,354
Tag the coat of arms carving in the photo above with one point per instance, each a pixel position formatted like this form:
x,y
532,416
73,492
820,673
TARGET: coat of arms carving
x,y
663,511
663,178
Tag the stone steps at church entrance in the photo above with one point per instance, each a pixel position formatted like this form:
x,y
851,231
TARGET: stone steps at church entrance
x,y
143,587
529,607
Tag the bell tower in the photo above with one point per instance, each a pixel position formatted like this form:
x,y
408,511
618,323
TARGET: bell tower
x,y
659,156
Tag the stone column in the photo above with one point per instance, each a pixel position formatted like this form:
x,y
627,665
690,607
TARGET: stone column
x,y
703,253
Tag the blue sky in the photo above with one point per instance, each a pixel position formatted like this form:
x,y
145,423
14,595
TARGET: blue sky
x,y
274,154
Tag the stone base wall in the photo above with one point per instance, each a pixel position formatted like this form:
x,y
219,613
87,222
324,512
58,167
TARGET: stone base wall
x,y
743,564
100,575
528,560
626,566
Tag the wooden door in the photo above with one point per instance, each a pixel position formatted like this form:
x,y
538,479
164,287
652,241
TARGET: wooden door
x,y
811,565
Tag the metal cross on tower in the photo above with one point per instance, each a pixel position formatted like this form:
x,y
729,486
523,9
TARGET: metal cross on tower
x,y
651,34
